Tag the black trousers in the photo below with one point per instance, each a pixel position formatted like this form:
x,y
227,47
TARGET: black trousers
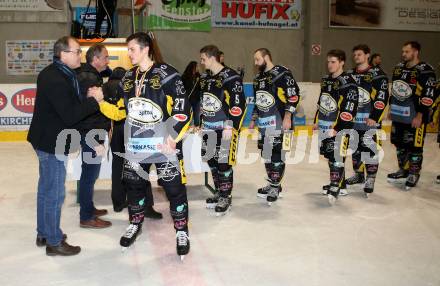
x,y
272,152
119,192
368,144
110,6
171,177
409,144
217,153
334,150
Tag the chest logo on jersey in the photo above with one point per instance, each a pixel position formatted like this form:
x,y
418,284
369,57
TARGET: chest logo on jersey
x,y
401,90
397,72
327,104
155,82
202,84
265,82
364,96
210,104
127,85
144,111
264,100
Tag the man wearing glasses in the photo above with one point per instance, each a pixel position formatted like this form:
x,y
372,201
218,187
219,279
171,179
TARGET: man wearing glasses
x,y
59,106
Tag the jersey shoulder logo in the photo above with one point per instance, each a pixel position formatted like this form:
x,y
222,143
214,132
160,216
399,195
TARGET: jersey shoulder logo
x,y
127,85
374,71
129,73
275,71
421,66
226,73
204,76
343,79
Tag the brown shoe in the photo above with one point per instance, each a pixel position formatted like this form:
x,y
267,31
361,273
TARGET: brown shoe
x,y
64,249
94,223
41,241
99,213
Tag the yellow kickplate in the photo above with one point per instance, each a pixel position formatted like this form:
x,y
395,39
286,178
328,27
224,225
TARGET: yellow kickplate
x,y
11,136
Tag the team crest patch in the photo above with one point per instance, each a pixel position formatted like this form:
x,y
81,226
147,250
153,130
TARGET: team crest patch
x,y
155,82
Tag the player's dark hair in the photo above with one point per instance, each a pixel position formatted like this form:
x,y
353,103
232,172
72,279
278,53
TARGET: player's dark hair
x,y
211,51
264,52
339,54
373,56
190,71
117,73
362,47
414,44
147,40
220,53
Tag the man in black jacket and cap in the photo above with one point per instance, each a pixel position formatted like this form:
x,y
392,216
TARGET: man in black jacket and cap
x,y
58,108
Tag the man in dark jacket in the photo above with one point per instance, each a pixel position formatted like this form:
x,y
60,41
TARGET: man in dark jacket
x,y
111,95
89,76
58,108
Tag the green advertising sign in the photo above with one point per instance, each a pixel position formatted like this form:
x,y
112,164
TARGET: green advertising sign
x,y
193,15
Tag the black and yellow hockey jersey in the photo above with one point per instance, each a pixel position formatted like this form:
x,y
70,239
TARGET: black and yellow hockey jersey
x,y
373,96
337,103
155,106
412,91
223,101
275,92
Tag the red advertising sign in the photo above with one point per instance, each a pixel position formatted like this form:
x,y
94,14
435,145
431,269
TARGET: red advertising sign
x,y
24,100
